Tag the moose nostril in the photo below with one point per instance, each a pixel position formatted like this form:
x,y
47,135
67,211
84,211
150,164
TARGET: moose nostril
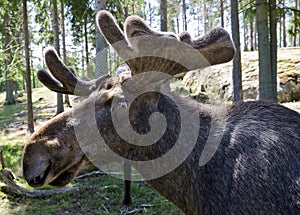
x,y
36,182
39,180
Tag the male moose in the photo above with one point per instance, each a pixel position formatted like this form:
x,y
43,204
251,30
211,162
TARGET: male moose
x,y
255,168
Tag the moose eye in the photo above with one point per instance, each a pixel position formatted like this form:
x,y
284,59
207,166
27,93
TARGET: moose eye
x,y
109,86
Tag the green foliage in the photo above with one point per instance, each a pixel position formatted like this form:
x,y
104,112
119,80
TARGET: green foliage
x,y
43,19
80,13
11,42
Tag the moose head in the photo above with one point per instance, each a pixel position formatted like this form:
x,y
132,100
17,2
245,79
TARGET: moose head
x,y
53,155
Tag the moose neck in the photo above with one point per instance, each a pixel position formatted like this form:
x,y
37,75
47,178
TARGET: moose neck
x,y
177,180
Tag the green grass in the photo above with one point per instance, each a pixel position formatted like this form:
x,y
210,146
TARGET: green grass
x,y
99,194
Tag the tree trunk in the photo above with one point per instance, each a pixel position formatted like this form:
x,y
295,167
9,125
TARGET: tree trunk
x,y
87,59
222,13
9,92
82,62
251,36
60,105
273,46
126,11
237,70
28,72
101,45
255,34
283,26
8,82
15,87
163,15
266,85
299,33
33,79
280,32
245,33
150,14
204,17
295,25
63,38
184,15
252,47
177,22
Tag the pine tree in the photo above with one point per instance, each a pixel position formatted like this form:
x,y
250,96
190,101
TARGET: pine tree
x,y
28,72
55,27
237,70
163,15
267,87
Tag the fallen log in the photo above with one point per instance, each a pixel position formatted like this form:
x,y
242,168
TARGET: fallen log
x,y
9,186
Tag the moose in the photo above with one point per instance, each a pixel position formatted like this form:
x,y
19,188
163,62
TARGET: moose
x,y
206,159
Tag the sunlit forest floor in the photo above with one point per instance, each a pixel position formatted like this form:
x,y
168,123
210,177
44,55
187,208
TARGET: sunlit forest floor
x,y
98,194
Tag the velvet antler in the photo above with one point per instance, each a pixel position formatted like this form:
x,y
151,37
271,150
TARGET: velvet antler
x,y
64,79
145,50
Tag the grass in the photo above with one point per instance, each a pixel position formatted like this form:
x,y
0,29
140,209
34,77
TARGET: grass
x,y
99,194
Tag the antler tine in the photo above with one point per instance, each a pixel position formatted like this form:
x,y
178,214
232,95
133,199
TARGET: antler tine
x,y
135,26
112,32
216,46
50,82
69,83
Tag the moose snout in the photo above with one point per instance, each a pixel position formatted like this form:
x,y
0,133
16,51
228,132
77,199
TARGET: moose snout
x,y
36,175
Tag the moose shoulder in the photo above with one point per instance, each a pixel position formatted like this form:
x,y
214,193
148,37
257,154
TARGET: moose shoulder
x,y
252,149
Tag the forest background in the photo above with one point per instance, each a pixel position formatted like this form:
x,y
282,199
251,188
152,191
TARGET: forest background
x,y
269,30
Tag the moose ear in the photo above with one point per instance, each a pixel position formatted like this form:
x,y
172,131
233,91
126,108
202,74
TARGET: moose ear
x,y
185,37
216,46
